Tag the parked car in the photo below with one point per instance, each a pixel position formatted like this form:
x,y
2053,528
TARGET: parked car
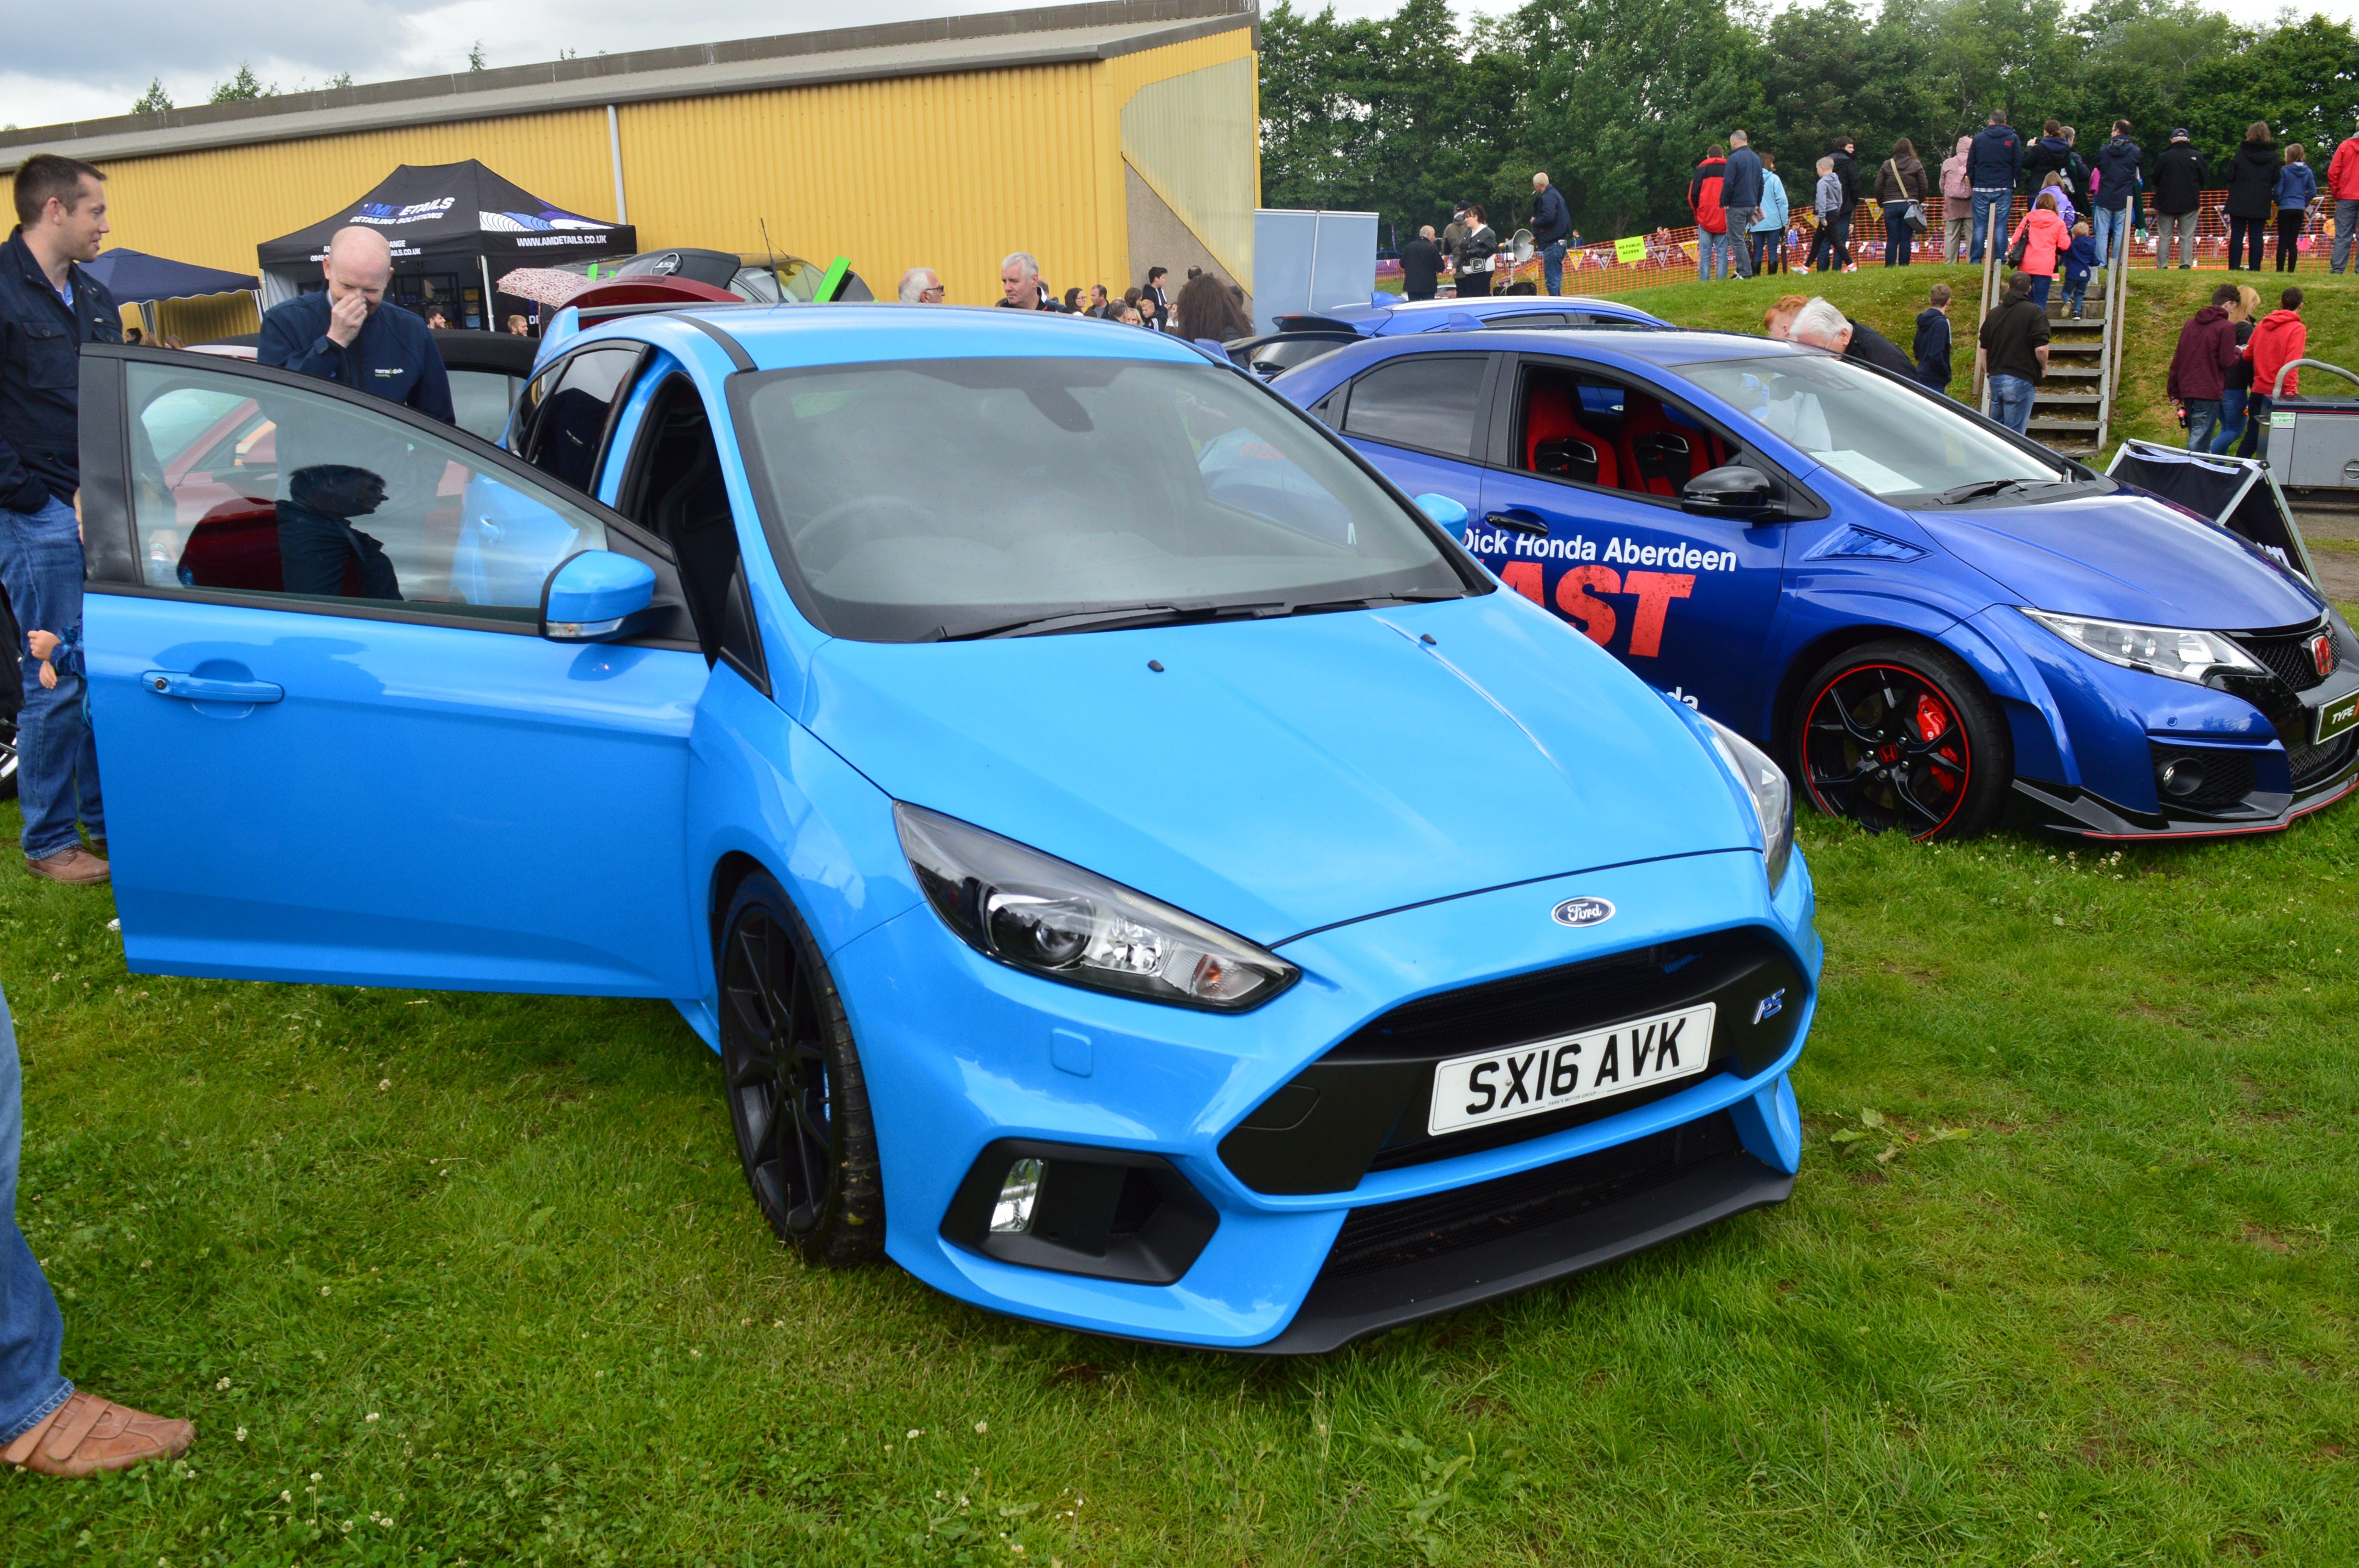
x,y
759,280
1927,618
1137,871
1393,317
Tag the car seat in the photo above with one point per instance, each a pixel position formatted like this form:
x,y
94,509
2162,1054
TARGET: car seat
x,y
1663,450
1555,440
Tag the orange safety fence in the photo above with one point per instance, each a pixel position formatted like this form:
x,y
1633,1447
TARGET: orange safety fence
x,y
1671,253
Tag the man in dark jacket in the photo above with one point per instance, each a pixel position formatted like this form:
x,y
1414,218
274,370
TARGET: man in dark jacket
x,y
1933,340
2051,151
2199,370
1993,163
1846,171
2117,174
49,308
1740,196
2011,354
343,334
1420,262
2178,192
1551,227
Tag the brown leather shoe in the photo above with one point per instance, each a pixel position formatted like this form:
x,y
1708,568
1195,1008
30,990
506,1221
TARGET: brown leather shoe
x,y
87,1434
74,864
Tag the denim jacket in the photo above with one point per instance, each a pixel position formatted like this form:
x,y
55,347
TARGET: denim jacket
x,y
40,375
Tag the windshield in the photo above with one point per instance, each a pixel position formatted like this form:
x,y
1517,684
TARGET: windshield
x,y
951,498
1910,450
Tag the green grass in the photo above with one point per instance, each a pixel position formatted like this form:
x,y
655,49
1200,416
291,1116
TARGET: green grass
x,y
1888,299
2069,1277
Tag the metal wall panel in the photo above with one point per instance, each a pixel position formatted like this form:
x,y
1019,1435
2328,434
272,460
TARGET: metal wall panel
x,y
1191,138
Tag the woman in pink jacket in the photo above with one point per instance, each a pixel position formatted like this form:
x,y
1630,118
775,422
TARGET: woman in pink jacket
x,y
2044,238
1957,203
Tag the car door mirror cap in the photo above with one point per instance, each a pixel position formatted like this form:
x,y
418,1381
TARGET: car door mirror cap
x,y
590,597
1733,490
1444,511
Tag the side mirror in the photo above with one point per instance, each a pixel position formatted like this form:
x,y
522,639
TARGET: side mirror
x,y
1730,491
588,595
1445,513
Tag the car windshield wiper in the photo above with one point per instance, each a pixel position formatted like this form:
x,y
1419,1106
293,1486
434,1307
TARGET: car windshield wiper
x,y
1107,619
1979,487
1367,602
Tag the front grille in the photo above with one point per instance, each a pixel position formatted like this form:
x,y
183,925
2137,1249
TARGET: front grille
x,y
1393,1235
2288,656
2228,776
2313,763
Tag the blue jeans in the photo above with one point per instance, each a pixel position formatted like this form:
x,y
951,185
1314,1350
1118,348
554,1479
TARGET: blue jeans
x,y
1713,251
2040,286
30,1329
2109,223
1553,266
2011,402
1986,203
2231,419
2202,423
1740,253
57,757
2256,419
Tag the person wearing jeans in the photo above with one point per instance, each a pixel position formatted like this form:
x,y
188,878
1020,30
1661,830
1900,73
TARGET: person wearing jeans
x,y
2011,354
50,307
2011,402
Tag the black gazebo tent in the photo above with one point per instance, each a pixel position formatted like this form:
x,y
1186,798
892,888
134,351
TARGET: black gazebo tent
x,y
453,228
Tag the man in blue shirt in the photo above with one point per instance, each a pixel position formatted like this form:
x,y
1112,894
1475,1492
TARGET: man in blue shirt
x,y
49,308
345,335
1740,196
1993,163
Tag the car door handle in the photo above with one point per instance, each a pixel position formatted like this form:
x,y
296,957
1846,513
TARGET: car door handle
x,y
201,689
1517,521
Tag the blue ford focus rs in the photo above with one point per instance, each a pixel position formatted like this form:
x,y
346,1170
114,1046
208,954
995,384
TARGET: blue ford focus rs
x,y
1929,619
1137,871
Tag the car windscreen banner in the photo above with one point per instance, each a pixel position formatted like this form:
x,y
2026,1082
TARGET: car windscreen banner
x,y
2235,492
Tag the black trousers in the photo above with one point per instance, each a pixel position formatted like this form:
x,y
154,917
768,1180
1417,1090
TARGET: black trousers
x,y
2240,230
2289,222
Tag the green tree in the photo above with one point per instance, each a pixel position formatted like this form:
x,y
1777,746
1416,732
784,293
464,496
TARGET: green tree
x,y
155,100
475,56
242,88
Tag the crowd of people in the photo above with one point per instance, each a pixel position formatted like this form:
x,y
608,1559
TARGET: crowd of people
x,y
1204,307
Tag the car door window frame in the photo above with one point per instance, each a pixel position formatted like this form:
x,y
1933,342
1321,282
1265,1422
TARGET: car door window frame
x,y
1485,398
520,442
110,551
1801,503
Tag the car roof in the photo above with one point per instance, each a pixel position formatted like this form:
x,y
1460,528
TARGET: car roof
x,y
1671,346
782,337
1507,304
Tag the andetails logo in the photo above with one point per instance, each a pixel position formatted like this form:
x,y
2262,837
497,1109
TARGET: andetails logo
x,y
1579,911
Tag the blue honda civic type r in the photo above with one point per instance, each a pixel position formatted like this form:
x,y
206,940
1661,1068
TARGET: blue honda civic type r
x,y
1139,872
1930,620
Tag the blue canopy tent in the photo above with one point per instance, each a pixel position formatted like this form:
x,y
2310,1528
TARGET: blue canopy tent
x,y
179,299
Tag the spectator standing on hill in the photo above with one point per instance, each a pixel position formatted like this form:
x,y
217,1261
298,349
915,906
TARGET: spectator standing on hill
x,y
2052,154
1766,235
1826,202
2116,178
1474,257
2296,188
1551,228
2199,367
1932,344
1420,262
2178,195
1993,164
1741,199
1899,184
2044,238
1453,235
2079,263
1711,216
2343,186
2237,395
2252,193
2052,184
2011,355
1957,204
2277,342
1846,159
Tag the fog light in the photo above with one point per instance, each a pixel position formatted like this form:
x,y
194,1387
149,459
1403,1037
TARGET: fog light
x,y
1012,1214
2181,778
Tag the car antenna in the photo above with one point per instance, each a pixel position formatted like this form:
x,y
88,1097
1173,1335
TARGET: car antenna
x,y
771,258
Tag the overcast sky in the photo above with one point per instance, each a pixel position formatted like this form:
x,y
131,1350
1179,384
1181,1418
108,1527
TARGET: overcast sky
x,y
93,58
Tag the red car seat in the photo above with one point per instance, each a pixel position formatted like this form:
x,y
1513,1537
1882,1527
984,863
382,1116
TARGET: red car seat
x,y
1555,442
1662,453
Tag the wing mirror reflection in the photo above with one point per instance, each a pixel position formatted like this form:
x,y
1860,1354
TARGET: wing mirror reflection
x,y
1731,491
590,596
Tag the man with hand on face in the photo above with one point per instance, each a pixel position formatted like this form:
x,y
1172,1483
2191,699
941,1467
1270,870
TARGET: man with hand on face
x,y
343,334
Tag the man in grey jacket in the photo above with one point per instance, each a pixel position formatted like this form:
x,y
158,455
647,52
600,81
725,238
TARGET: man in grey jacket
x,y
1740,195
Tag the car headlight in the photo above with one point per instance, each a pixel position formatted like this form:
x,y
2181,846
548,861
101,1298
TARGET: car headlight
x,y
2159,650
1049,918
1764,786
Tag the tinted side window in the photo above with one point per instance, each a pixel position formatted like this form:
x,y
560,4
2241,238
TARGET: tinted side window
x,y
1427,401
570,407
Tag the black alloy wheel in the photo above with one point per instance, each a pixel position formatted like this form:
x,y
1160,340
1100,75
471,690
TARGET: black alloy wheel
x,y
1901,737
797,1098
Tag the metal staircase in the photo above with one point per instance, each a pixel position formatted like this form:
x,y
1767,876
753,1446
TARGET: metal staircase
x,y
2071,413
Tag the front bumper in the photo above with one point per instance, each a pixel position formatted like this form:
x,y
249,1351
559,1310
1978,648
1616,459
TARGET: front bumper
x,y
960,1053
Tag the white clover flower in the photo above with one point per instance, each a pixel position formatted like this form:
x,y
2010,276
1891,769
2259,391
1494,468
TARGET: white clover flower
x,y
983,1426
222,1384
371,1416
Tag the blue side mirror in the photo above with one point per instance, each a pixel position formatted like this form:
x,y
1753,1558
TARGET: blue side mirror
x,y
588,595
1445,513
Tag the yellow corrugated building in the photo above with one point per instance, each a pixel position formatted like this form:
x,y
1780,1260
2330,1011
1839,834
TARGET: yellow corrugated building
x,y
1102,138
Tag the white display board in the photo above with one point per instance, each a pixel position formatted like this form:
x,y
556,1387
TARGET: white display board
x,y
1306,262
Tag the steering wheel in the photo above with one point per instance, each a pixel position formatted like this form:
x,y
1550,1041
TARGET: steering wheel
x,y
812,540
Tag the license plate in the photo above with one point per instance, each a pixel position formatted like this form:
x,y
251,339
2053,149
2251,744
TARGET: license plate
x,y
1549,1075
2333,717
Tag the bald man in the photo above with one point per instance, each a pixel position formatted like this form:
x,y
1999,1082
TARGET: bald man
x,y
344,334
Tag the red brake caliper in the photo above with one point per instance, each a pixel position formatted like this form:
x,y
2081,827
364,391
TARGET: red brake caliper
x,y
1933,723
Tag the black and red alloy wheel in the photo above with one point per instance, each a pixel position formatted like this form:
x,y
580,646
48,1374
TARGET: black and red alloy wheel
x,y
1896,741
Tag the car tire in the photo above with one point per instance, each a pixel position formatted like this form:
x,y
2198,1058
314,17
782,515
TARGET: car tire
x,y
1899,735
797,1101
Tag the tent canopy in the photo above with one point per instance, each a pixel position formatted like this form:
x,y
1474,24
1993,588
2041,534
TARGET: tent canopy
x,y
134,278
453,213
